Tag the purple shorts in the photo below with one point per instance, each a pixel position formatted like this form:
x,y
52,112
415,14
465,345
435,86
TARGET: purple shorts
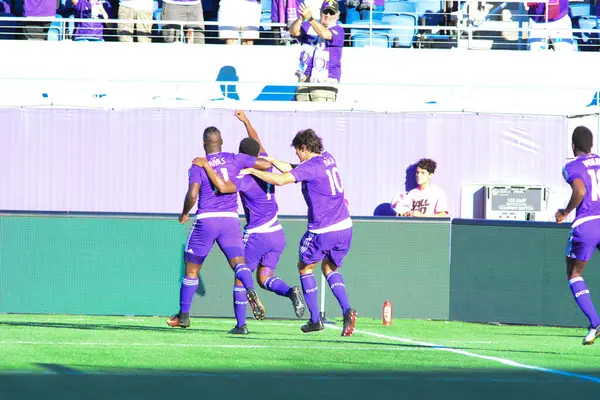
x,y
225,231
584,239
330,245
264,249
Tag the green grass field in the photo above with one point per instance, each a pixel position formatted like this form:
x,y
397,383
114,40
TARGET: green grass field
x,y
87,357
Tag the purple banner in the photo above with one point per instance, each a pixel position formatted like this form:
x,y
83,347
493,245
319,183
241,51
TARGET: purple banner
x,y
137,160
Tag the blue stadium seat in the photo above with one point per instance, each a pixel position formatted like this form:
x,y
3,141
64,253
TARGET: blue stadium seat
x,y
378,24
157,16
401,7
402,37
428,7
56,30
362,39
579,10
8,29
265,15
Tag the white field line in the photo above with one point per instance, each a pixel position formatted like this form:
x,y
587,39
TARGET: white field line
x,y
503,361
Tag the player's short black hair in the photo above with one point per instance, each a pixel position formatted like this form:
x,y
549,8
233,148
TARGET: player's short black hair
x,y
427,164
583,139
249,146
211,133
308,138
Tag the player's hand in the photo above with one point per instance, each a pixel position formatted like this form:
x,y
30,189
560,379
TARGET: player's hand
x,y
305,12
241,115
183,218
561,215
272,160
246,171
200,162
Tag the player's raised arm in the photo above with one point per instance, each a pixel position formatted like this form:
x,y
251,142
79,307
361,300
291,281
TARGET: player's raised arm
x,y
221,185
270,177
241,115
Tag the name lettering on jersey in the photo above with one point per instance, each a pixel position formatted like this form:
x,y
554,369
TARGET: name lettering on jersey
x,y
329,161
216,162
592,162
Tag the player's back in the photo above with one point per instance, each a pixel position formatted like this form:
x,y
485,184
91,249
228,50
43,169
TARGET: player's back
x,y
324,195
258,200
587,168
227,165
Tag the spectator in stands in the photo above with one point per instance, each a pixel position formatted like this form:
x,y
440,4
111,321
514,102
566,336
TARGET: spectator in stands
x,y
38,30
141,11
557,30
361,9
92,10
283,12
4,7
239,19
322,43
183,10
427,200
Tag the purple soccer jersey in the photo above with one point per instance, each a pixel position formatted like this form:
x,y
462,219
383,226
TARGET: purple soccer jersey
x,y
216,218
323,192
584,235
227,165
258,200
39,8
321,59
92,10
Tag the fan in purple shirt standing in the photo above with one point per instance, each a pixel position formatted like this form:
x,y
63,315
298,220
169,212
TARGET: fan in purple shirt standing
x,y
329,233
263,234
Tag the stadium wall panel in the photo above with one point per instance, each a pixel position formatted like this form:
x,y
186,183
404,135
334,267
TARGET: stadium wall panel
x,y
514,272
133,266
136,160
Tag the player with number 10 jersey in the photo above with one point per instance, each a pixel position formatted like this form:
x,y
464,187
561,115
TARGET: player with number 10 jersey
x,y
329,233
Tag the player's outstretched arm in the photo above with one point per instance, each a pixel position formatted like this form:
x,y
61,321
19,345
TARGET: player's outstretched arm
x,y
270,177
221,185
190,199
262,164
576,198
252,134
282,166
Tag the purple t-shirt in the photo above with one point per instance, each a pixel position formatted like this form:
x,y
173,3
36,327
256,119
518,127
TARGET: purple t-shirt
x,y
39,8
258,200
284,11
556,10
321,59
587,168
92,10
227,165
323,191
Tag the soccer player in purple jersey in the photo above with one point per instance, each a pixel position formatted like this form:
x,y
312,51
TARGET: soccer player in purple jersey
x,y
329,233
583,174
263,234
216,220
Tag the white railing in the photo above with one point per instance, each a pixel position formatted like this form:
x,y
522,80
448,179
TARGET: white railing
x,y
471,31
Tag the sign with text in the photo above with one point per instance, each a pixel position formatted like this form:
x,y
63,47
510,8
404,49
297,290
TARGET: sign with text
x,y
516,198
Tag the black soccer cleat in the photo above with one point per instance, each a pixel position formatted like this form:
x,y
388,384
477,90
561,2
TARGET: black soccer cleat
x,y
349,322
178,320
258,309
313,327
297,301
239,330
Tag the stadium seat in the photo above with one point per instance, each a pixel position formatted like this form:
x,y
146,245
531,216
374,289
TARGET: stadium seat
x,y
362,39
586,41
428,7
265,15
579,10
401,7
157,16
401,37
56,30
8,29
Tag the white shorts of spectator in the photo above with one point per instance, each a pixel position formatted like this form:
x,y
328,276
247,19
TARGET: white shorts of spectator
x,y
239,19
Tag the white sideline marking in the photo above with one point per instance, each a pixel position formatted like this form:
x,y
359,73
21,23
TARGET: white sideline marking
x,y
504,361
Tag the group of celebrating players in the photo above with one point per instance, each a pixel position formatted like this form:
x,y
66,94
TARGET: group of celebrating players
x,y
214,182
